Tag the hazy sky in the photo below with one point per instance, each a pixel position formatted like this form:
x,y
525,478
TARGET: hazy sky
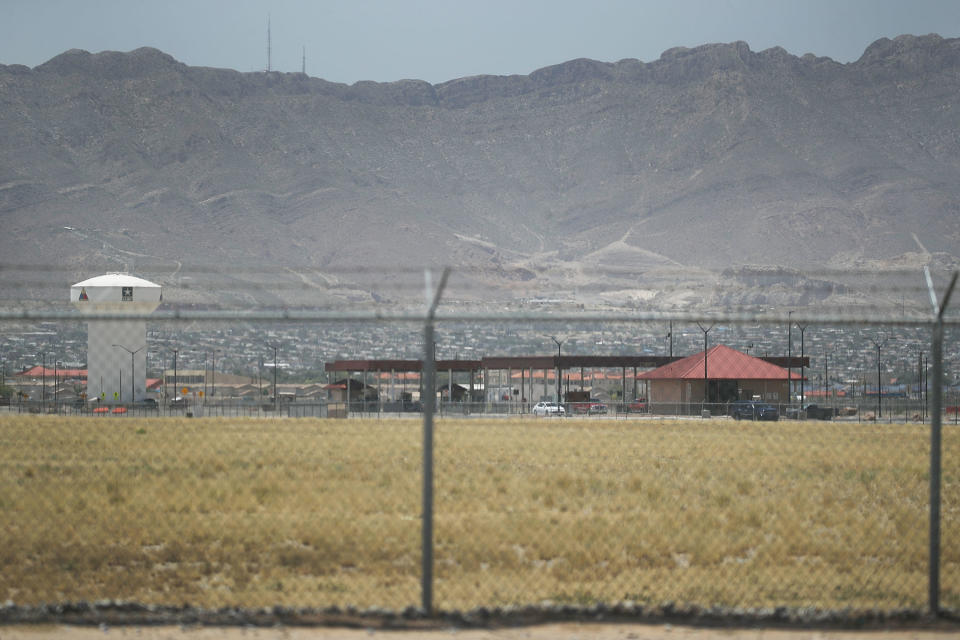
x,y
438,40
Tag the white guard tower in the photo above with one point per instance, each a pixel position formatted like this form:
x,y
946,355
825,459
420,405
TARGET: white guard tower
x,y
116,349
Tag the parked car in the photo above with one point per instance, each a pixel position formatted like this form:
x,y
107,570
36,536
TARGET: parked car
x,y
179,402
589,407
579,407
637,406
548,409
811,412
751,410
597,408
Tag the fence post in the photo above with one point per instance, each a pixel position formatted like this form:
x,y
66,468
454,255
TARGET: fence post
x,y
429,365
936,349
935,467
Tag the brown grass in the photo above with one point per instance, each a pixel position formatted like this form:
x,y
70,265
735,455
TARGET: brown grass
x,y
220,512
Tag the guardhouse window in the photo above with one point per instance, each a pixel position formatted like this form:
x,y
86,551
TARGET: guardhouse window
x,y
127,294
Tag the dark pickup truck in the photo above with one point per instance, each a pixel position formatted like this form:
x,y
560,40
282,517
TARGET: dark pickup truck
x,y
812,412
820,413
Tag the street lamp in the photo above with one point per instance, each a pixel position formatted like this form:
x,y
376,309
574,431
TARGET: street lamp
x,y
176,392
789,358
558,342
133,397
275,347
826,371
802,328
213,374
705,381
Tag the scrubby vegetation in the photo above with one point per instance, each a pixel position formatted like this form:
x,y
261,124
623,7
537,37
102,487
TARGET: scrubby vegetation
x,y
320,512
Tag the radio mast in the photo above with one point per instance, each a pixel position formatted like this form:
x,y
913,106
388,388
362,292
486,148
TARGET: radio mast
x,y
268,43
303,63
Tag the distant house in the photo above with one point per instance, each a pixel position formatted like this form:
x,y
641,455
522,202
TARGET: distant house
x,y
730,375
358,391
460,393
40,372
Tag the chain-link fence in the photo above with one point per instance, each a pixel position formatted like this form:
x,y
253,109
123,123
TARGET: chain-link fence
x,y
218,467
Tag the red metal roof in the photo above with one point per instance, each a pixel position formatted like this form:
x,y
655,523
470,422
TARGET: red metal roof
x,y
723,363
38,371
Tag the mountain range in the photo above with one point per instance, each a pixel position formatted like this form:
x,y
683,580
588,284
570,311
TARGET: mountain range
x,y
715,176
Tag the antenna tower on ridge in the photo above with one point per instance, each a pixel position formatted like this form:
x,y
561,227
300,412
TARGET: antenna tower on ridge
x,y
303,64
268,43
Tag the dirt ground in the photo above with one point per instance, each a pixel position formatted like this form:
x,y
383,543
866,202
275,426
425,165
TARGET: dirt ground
x,y
567,631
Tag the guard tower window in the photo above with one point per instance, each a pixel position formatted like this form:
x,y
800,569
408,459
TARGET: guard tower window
x,y
127,294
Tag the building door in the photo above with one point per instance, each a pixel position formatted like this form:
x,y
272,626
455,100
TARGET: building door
x,y
726,391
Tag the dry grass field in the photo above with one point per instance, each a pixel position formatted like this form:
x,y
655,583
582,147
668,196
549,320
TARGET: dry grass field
x,y
304,512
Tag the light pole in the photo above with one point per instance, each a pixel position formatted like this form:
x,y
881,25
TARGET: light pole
x,y
789,358
706,383
133,397
826,371
213,374
802,328
275,405
920,374
878,343
176,392
558,342
259,384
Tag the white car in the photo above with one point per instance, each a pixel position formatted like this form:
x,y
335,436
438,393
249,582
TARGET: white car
x,y
548,409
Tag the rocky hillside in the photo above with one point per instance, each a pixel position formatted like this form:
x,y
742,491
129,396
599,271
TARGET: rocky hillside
x,y
670,183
